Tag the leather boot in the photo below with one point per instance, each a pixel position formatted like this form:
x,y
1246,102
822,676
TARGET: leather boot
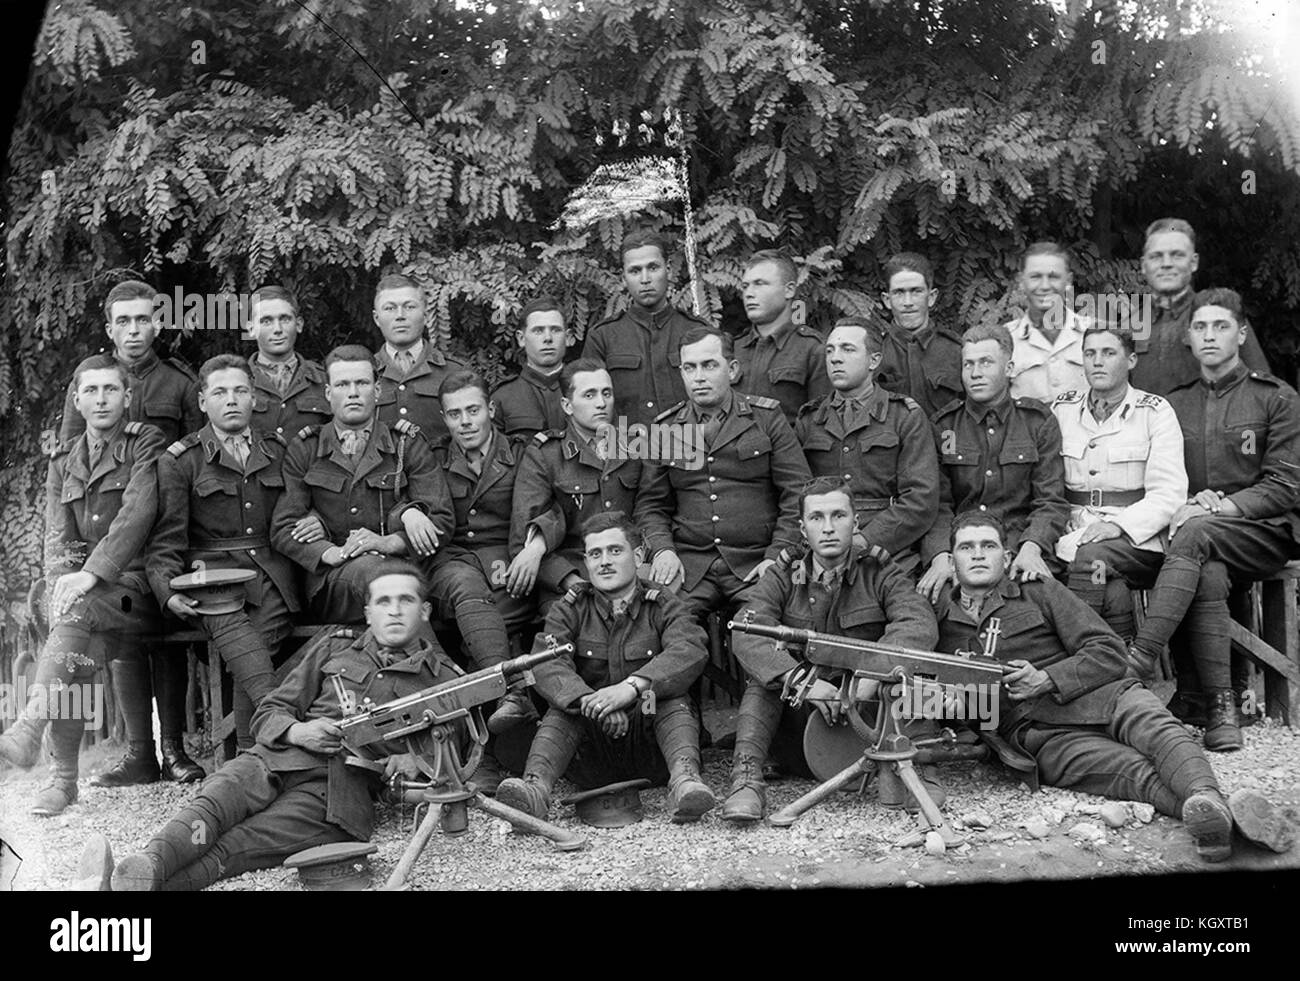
x,y
553,748
677,731
930,779
20,745
61,791
1141,662
1188,707
1260,821
139,765
1209,822
487,777
95,870
139,872
756,723
1222,732
515,708
176,763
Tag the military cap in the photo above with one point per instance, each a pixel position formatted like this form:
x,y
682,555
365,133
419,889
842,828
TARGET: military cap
x,y
215,590
615,805
342,866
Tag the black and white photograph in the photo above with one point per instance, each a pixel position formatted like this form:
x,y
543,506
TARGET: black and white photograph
x,y
844,448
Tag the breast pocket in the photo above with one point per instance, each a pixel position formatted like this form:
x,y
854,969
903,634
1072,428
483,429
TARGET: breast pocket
x,y
313,405
588,649
327,480
355,681
1018,454
788,374
880,445
386,480
862,616
754,452
73,490
205,487
641,646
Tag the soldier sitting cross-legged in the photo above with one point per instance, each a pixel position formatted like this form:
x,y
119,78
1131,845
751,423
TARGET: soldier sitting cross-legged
x,y
1070,714
618,706
837,587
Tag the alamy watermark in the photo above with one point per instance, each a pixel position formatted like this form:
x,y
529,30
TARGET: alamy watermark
x,y
924,698
679,443
181,310
83,701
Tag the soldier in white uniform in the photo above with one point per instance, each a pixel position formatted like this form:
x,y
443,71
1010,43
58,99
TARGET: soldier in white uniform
x,y
1124,478
1048,356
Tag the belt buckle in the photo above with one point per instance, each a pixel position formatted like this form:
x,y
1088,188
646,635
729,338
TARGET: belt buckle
x,y
1094,498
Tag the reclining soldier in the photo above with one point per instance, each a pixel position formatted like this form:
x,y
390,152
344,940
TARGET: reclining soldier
x,y
1070,715
293,790
101,495
619,708
217,489
837,587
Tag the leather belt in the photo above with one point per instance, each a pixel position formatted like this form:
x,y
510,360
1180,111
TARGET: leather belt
x,y
229,544
1104,499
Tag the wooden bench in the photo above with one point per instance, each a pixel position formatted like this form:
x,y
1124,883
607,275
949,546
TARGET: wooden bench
x,y
1266,630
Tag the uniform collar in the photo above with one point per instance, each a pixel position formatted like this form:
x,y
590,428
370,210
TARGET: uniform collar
x,y
1229,381
535,377
1116,404
1176,305
1007,588
922,337
640,315
1001,408
605,607
875,403
1024,330
417,351
141,367
779,336
723,411
292,361
418,654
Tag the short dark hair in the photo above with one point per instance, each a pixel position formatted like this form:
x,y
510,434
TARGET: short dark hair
x,y
349,352
97,362
223,362
874,340
990,332
1170,225
640,238
273,292
1124,334
540,304
976,518
824,485
1219,296
463,378
704,332
1049,248
399,567
909,262
609,520
128,289
397,281
789,271
570,371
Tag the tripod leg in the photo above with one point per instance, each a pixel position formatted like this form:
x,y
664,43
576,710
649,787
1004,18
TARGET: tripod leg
x,y
422,835
565,841
790,813
930,814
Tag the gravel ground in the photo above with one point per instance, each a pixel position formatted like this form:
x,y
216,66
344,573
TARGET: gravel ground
x,y
1011,834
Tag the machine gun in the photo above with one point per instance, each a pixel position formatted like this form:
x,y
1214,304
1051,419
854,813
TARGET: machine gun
x,y
426,721
890,752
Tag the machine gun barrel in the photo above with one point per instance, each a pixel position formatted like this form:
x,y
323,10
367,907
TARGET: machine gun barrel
x,y
879,660
441,703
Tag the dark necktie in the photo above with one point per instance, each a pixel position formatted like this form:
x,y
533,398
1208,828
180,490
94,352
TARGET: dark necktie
x,y
96,451
405,361
710,423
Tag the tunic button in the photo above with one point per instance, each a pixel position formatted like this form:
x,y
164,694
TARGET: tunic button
x,y
469,534
252,551
1092,473
717,541
713,497
845,450
649,405
710,459
984,507
715,517
988,473
473,511
94,517
401,388
352,510
992,432
1092,445
608,504
713,480
588,653
248,531
284,405
402,410
280,430
380,675
848,476
812,600
247,504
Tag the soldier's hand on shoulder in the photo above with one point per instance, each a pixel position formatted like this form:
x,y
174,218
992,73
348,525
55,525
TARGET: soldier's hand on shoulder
x,y
1100,531
316,736
937,578
666,567
1029,564
308,529
756,573
183,606
421,530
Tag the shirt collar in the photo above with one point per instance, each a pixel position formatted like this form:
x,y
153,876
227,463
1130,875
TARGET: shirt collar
x,y
417,351
1229,380
538,378
142,367
645,318
1000,408
291,363
363,432
779,335
605,605
722,411
1112,403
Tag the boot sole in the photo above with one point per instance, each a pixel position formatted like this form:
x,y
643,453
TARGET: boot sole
x,y
519,800
693,805
1210,825
135,873
95,870
52,810
1224,739
105,780
1260,821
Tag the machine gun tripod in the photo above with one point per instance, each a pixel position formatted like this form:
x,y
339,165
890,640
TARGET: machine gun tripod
x,y
426,721
889,752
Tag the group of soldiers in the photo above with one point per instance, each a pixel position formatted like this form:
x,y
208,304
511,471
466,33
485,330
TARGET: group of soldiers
x,y
1001,491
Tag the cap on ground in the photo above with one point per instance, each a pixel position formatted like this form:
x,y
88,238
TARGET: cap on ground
x,y
215,590
615,805
340,867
